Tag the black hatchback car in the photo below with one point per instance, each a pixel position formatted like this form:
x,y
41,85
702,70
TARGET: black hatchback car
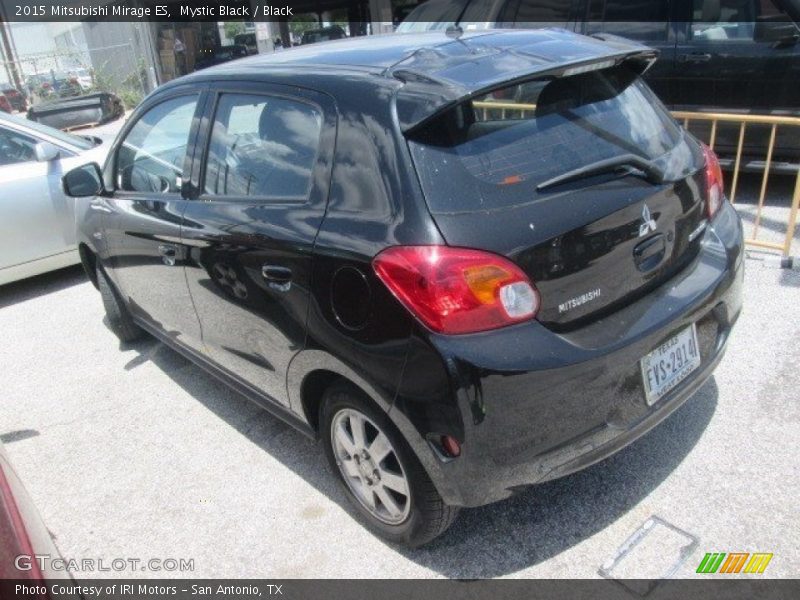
x,y
467,265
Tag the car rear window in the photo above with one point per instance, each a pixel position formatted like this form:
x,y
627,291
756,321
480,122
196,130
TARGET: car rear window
x,y
494,150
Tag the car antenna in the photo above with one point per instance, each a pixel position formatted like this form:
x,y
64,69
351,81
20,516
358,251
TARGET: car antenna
x,y
455,30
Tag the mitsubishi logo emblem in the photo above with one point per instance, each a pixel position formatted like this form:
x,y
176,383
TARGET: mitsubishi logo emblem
x,y
648,223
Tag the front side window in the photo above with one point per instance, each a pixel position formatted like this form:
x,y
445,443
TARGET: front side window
x,y
16,148
724,20
151,157
643,20
262,146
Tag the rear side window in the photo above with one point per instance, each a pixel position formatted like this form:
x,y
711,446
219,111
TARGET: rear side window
x,y
493,151
263,146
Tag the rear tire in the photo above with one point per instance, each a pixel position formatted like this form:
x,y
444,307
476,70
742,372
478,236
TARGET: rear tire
x,y
412,519
119,317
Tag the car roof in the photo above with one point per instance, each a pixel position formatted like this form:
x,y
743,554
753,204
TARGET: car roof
x,y
379,53
434,68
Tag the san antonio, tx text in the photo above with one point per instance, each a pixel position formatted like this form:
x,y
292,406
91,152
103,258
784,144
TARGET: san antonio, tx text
x,y
141,590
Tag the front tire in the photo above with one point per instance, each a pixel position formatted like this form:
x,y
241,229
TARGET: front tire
x,y
119,317
378,471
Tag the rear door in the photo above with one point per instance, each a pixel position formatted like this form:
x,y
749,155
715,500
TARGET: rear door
x,y
591,244
142,224
263,187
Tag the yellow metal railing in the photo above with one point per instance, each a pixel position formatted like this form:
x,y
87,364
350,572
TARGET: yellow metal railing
x,y
484,108
743,121
490,109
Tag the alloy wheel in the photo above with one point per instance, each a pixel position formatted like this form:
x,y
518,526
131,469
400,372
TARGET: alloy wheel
x,y
370,466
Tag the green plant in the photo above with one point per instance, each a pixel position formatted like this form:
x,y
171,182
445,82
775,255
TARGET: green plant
x,y
233,28
131,97
300,23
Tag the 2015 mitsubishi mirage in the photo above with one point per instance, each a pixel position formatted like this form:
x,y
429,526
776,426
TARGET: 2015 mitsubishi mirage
x,y
467,263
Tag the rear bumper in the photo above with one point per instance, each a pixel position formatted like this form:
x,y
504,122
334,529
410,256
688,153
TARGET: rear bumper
x,y
530,405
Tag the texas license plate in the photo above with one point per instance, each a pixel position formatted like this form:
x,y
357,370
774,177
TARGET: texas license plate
x,y
669,364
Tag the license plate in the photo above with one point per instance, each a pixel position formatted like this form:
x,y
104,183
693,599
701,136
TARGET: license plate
x,y
669,364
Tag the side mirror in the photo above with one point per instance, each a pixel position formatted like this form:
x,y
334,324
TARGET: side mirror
x,y
83,182
45,152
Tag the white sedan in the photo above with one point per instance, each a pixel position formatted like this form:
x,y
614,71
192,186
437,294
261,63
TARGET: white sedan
x,y
37,221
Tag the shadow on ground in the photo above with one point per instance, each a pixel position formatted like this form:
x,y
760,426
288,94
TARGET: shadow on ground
x,y
491,541
41,285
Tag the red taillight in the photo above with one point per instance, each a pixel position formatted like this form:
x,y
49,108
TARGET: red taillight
x,y
715,189
457,290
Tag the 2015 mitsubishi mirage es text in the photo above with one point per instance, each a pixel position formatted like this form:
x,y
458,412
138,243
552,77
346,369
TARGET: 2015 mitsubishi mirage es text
x,y
467,263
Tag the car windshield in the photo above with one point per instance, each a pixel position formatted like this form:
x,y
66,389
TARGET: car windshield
x,y
496,150
67,138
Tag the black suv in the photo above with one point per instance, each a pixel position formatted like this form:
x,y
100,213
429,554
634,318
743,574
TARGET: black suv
x,y
739,56
467,265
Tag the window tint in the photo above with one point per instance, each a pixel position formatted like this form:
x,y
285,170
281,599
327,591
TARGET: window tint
x,y
152,155
722,20
494,151
15,147
643,20
262,146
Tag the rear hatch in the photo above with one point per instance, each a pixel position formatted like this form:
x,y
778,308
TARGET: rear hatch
x,y
585,181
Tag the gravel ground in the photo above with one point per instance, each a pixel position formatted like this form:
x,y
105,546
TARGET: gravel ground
x,y
133,452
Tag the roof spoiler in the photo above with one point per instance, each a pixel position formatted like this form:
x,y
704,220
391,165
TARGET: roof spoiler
x,y
436,83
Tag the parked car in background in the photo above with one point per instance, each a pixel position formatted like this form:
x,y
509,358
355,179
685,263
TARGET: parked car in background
x,y
78,111
15,97
219,55
25,537
37,221
460,301
323,34
5,105
738,56
247,40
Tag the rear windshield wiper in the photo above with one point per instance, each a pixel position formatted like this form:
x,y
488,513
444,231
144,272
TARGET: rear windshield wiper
x,y
651,171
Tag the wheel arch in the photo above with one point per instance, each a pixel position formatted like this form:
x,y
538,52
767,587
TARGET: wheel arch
x,y
311,372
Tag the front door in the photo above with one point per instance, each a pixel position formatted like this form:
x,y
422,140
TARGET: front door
x,y
250,233
36,219
143,225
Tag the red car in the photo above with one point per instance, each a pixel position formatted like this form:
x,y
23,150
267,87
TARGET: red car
x,y
5,105
24,536
15,98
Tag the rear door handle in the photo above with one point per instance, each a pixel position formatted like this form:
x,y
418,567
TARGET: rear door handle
x,y
695,57
169,254
278,278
